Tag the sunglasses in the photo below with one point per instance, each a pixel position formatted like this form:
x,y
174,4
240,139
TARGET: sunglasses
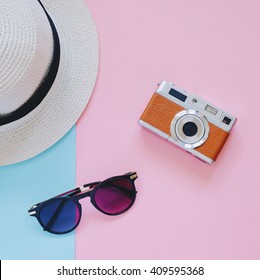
x,y
62,213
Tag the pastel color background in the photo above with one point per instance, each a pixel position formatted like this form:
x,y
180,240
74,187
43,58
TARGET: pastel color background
x,y
26,183
185,209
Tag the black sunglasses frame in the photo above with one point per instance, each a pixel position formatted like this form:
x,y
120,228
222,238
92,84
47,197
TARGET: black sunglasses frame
x,y
87,190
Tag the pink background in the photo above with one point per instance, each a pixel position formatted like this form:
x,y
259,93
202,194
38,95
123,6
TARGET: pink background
x,y
185,209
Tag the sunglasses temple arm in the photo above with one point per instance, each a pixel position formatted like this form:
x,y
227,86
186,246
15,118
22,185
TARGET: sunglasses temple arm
x,y
77,190
94,184
73,192
128,192
84,189
70,193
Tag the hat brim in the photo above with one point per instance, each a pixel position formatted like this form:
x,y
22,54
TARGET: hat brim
x,y
70,92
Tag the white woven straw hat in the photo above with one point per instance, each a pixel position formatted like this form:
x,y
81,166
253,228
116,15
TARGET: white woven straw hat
x,y
48,68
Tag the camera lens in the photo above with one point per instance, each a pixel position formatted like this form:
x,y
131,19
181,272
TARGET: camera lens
x,y
190,129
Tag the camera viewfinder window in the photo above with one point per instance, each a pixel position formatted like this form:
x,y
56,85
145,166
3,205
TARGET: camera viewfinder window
x,y
178,95
226,120
211,109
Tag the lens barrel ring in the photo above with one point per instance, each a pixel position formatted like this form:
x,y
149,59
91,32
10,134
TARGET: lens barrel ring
x,y
200,129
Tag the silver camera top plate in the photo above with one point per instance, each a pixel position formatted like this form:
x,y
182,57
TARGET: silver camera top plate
x,y
190,101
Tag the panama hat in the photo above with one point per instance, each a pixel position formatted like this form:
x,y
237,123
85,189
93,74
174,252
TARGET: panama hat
x,y
48,69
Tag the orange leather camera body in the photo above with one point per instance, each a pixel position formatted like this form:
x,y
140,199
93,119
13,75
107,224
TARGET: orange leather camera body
x,y
188,121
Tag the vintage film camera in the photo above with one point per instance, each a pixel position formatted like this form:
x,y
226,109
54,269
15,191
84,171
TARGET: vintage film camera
x,y
188,121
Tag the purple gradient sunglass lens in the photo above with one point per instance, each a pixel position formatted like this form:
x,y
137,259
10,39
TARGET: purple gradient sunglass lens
x,y
115,196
